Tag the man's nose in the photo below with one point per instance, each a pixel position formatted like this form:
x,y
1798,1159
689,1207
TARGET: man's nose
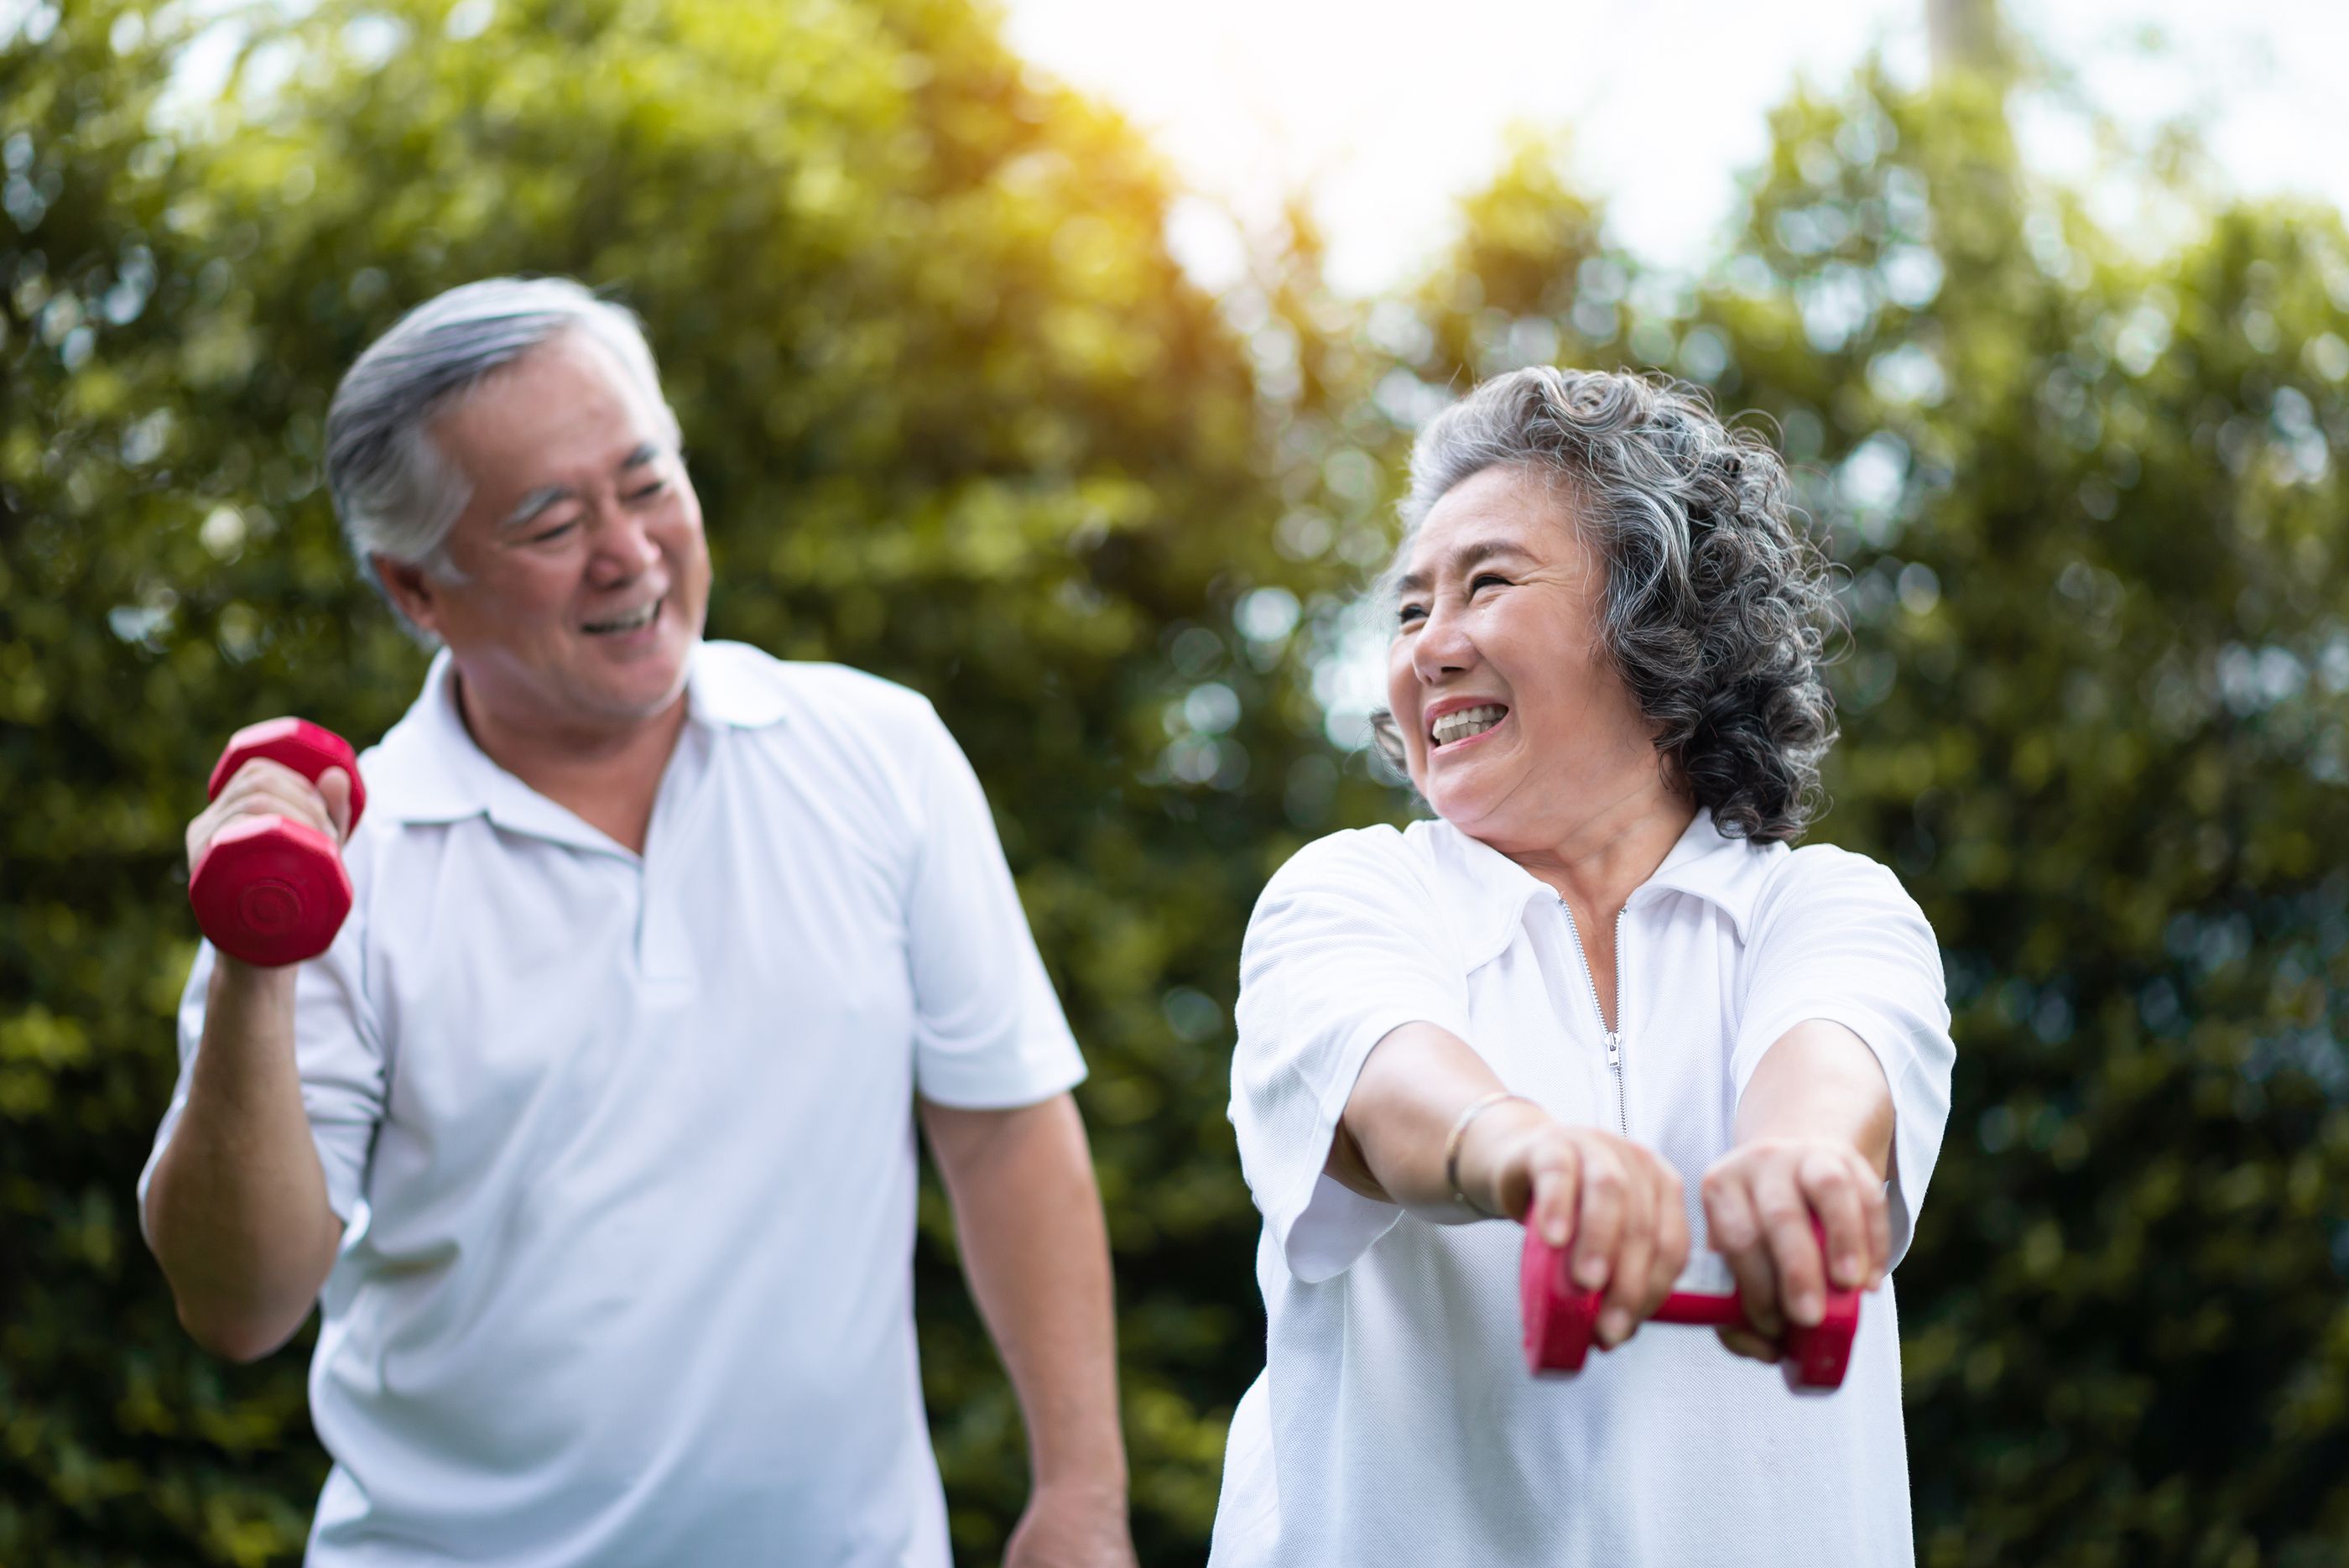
x,y
625,548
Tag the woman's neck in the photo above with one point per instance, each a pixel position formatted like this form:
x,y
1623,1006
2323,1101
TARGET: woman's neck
x,y
1596,857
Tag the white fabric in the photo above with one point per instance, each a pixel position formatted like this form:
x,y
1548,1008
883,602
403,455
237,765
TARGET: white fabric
x,y
1395,1422
626,1144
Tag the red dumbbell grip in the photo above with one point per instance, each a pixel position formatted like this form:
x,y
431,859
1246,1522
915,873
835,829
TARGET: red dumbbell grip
x,y
270,891
308,748
1560,1319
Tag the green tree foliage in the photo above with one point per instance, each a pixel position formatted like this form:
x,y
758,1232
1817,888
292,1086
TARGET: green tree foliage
x,y
2090,508
956,418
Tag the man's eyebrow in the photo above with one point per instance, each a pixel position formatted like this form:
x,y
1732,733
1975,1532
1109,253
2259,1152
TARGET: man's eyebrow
x,y
1465,556
647,452
536,502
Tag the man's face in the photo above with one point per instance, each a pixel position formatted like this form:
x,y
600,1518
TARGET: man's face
x,y
581,574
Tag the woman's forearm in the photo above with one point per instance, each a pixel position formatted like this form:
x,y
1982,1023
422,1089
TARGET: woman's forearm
x,y
1819,1081
1390,1141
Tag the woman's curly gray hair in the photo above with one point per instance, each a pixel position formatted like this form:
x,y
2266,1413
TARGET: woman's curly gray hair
x,y
1718,605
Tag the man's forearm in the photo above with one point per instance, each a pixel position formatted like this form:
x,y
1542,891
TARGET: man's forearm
x,y
1034,1246
237,1210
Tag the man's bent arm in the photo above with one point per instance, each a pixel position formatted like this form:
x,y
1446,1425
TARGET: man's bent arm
x,y
237,1210
1028,1218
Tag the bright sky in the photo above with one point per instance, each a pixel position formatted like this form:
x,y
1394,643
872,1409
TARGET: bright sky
x,y
1390,108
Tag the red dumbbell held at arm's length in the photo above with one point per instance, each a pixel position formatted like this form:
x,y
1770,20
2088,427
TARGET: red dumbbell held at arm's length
x,y
267,889
1560,1317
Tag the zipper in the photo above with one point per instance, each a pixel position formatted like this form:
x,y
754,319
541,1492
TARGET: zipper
x,y
1614,1036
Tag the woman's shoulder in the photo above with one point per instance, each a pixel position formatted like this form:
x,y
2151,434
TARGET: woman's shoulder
x,y
1377,855
1427,877
1820,878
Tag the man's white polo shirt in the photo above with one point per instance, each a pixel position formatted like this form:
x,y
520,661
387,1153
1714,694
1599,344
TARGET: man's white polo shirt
x,y
1395,1425
625,1144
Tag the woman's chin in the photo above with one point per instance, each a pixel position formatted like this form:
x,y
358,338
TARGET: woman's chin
x,y
1458,802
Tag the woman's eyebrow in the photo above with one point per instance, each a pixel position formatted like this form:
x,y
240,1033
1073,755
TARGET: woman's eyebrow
x,y
1482,550
1465,556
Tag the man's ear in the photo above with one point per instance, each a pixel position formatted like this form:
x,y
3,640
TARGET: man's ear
x,y
412,590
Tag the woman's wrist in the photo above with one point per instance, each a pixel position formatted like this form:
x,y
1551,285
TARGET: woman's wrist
x,y
1479,1167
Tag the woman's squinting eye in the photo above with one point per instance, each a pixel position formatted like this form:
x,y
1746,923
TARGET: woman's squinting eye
x,y
1405,615
1481,579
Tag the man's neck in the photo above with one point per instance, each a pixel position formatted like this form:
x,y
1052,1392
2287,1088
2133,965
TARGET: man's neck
x,y
607,778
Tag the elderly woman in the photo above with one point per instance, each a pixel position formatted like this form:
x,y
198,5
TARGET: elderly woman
x,y
1600,992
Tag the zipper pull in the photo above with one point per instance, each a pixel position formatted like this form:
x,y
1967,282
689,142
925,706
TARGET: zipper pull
x,y
1614,1050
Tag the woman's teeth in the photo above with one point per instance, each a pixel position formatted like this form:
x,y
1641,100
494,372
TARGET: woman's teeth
x,y
1464,722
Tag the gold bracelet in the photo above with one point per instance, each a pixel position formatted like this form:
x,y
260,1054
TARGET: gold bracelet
x,y
1451,1151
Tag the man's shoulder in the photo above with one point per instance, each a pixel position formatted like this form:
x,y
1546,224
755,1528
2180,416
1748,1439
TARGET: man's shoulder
x,y
844,733
749,685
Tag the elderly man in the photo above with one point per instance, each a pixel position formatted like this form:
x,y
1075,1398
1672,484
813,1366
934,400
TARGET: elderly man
x,y
593,1130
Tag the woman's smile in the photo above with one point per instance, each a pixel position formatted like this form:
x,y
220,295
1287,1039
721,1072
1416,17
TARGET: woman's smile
x,y
1452,732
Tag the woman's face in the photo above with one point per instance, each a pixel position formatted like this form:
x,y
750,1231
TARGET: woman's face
x,y
1514,722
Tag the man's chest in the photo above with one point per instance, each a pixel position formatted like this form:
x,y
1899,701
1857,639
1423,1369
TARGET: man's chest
x,y
530,992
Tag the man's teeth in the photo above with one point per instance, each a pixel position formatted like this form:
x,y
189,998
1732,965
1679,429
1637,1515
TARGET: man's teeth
x,y
629,622
1466,722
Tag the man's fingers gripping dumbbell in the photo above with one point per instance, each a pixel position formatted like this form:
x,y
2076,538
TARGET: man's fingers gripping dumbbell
x,y
264,788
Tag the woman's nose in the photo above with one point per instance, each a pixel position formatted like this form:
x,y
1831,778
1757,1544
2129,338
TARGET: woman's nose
x,y
1442,646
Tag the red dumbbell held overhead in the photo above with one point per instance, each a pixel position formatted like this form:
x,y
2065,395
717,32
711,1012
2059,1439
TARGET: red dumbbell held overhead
x,y
266,889
1560,1318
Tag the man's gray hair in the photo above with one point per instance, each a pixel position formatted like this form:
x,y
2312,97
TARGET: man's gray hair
x,y
397,494
1717,606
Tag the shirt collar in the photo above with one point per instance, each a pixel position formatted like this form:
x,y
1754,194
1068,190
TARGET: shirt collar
x,y
1492,890
427,768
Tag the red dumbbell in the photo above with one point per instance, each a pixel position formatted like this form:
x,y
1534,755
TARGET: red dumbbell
x,y
1561,1317
267,889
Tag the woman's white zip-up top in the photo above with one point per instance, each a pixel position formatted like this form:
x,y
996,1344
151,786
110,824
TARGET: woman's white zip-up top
x,y
1395,1422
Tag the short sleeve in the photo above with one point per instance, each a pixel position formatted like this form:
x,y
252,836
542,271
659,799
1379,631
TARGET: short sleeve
x,y
1836,936
989,1031
1344,948
336,1049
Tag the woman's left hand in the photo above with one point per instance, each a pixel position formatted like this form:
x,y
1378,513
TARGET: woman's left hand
x,y
1759,1198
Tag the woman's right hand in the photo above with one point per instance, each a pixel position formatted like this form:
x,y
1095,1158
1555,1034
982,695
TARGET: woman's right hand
x,y
1618,1203
263,788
